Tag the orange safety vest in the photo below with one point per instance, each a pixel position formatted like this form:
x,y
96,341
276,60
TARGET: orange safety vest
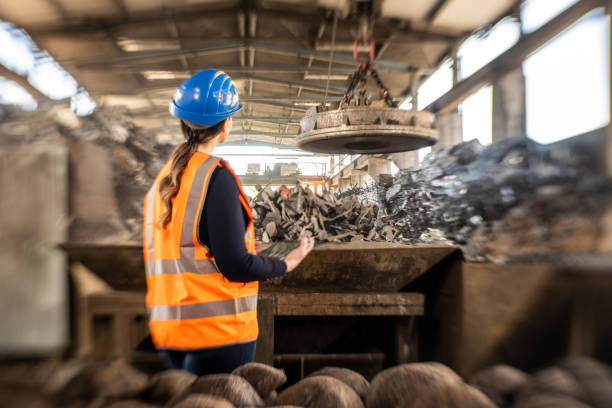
x,y
191,304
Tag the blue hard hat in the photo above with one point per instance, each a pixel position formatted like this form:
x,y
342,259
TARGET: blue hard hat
x,y
206,98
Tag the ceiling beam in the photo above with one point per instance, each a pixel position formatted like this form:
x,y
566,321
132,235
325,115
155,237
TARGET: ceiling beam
x,y
121,8
231,69
238,45
272,119
262,133
264,121
170,86
435,11
513,57
175,33
217,48
344,58
405,35
456,41
265,135
23,82
302,108
260,143
160,15
242,32
292,98
237,119
304,84
252,31
291,154
308,15
299,108
283,119
61,10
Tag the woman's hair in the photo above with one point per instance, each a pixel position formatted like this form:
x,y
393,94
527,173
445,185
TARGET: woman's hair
x,y
169,185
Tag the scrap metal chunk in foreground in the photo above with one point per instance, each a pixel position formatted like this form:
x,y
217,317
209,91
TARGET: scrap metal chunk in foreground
x,y
366,130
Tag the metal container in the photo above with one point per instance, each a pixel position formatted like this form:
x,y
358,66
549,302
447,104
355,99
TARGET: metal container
x,y
330,267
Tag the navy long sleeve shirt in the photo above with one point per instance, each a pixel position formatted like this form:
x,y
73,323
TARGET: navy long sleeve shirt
x,y
221,229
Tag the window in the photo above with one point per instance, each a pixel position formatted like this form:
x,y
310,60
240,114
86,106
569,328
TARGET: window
x,y
19,54
478,50
51,79
535,13
421,153
407,104
13,94
436,85
474,53
477,116
15,53
567,81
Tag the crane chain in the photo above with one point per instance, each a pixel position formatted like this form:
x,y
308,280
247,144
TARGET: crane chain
x,y
360,77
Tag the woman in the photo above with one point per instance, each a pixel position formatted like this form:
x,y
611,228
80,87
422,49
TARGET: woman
x,y
199,242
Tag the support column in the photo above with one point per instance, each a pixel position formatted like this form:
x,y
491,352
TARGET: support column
x,y
450,127
608,147
35,295
378,166
264,348
357,178
509,106
405,160
344,184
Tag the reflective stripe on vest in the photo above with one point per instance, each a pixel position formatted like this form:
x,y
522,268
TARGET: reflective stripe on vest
x,y
191,304
207,309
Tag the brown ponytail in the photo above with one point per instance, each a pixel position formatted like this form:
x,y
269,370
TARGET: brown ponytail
x,y
169,185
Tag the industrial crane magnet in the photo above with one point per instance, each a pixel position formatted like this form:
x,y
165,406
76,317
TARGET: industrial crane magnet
x,y
366,130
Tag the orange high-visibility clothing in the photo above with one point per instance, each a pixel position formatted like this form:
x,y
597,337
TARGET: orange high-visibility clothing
x,y
191,304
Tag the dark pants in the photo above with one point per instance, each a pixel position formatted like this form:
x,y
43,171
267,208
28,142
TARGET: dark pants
x,y
210,361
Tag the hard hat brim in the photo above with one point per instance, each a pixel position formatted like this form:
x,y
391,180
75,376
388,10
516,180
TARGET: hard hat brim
x,y
200,118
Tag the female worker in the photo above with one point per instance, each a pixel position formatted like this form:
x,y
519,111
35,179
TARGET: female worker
x,y
199,242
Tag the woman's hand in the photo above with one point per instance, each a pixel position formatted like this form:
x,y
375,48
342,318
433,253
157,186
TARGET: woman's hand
x,y
296,256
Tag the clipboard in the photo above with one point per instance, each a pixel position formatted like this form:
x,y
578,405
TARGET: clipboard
x,y
279,250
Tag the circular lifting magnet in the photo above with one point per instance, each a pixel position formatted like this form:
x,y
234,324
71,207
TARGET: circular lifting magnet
x,y
366,130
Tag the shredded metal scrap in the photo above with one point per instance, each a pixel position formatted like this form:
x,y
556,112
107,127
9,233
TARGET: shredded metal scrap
x,y
480,197
456,191
459,188
325,217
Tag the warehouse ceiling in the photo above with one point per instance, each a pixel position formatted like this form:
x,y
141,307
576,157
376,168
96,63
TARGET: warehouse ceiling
x,y
134,53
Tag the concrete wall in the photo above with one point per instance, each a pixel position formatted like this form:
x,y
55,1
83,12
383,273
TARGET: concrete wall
x,y
405,160
509,106
527,316
358,178
94,205
34,217
450,127
377,166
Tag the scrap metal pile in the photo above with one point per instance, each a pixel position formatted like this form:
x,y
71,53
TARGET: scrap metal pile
x,y
302,213
457,188
466,194
488,199
474,195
